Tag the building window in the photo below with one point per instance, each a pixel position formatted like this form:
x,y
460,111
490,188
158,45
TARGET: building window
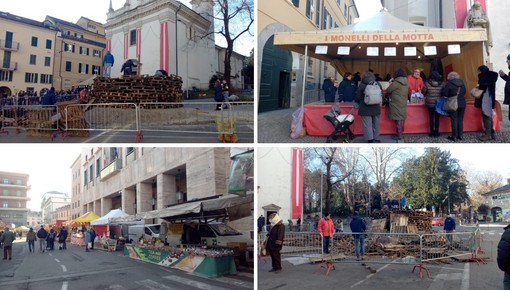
x,y
46,79
6,76
18,192
5,192
19,204
318,13
85,178
68,66
47,61
34,41
69,47
132,37
96,69
296,3
84,50
19,182
325,24
91,172
33,59
96,53
309,8
83,68
6,181
48,43
98,167
5,205
31,77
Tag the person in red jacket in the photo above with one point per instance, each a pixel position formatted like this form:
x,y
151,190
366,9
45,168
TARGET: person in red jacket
x,y
326,228
415,83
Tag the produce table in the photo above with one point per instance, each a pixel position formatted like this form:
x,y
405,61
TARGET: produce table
x,y
77,240
208,262
417,120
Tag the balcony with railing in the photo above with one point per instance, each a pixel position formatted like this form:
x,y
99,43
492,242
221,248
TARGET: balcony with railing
x,y
9,66
111,169
9,45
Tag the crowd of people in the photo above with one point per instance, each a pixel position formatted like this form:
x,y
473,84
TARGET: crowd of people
x,y
433,91
47,96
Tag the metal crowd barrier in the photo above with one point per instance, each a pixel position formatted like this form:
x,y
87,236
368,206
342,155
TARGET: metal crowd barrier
x,y
413,249
107,117
36,120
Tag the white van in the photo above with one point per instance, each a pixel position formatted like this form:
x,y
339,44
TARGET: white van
x,y
214,234
146,231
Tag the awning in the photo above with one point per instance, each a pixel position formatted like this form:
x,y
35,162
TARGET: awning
x,y
233,206
86,218
104,220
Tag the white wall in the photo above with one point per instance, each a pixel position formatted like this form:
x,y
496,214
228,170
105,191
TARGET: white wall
x,y
498,12
274,170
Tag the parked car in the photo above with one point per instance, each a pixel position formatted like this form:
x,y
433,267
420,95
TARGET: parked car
x,y
214,234
146,231
437,221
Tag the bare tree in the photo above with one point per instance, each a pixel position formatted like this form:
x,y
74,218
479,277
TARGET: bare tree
x,y
482,182
235,18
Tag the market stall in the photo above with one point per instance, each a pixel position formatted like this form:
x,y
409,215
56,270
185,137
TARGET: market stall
x,y
208,262
384,43
84,220
416,122
108,234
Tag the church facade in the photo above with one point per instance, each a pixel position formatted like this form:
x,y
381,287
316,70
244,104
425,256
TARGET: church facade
x,y
164,35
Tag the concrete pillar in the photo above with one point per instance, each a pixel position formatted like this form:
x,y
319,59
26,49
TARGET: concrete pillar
x,y
106,205
166,193
97,207
143,197
128,198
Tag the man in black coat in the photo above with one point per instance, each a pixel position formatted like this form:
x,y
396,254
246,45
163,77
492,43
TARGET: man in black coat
x,y
504,257
504,76
487,82
275,242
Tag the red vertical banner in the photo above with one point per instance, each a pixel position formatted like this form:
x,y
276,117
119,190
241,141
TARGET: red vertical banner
x,y
126,42
163,46
138,42
109,44
297,183
461,10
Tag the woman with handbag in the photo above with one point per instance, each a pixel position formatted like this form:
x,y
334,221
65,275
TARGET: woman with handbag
x,y
455,87
487,83
398,101
432,91
275,242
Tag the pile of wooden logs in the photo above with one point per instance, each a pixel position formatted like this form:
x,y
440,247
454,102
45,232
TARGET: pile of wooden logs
x,y
391,246
138,89
406,220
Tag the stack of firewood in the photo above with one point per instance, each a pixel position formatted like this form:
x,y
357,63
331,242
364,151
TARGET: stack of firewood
x,y
138,89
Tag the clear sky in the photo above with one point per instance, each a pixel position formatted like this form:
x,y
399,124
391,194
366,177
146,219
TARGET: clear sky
x,y
367,8
48,166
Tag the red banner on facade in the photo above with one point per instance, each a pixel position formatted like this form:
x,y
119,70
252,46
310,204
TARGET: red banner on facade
x,y
297,183
163,46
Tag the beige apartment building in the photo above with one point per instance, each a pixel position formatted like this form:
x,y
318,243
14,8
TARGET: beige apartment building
x,y
27,53
143,179
281,71
78,51
14,198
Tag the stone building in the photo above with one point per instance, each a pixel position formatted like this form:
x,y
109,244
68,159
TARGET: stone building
x,y
164,34
52,200
14,198
499,202
281,71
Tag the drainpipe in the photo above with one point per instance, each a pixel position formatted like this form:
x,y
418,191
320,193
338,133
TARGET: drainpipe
x,y
176,41
440,13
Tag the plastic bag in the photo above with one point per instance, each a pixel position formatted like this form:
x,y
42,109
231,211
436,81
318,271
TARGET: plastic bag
x,y
296,127
439,107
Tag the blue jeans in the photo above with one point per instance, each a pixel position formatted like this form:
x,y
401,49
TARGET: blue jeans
x,y
31,245
325,244
359,244
506,281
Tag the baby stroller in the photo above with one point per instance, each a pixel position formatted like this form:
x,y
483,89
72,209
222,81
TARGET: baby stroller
x,y
341,123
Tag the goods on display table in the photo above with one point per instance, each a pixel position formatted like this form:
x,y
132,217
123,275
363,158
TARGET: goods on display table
x,y
77,239
211,262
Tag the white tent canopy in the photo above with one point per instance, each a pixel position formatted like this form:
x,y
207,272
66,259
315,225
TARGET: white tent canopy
x,y
104,220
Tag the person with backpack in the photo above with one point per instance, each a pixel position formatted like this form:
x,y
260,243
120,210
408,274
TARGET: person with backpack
x,y
42,234
398,101
370,113
50,239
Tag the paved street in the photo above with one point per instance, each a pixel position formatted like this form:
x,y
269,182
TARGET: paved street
x,y
298,273
77,269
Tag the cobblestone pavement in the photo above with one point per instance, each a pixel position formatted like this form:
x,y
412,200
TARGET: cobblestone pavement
x,y
274,127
